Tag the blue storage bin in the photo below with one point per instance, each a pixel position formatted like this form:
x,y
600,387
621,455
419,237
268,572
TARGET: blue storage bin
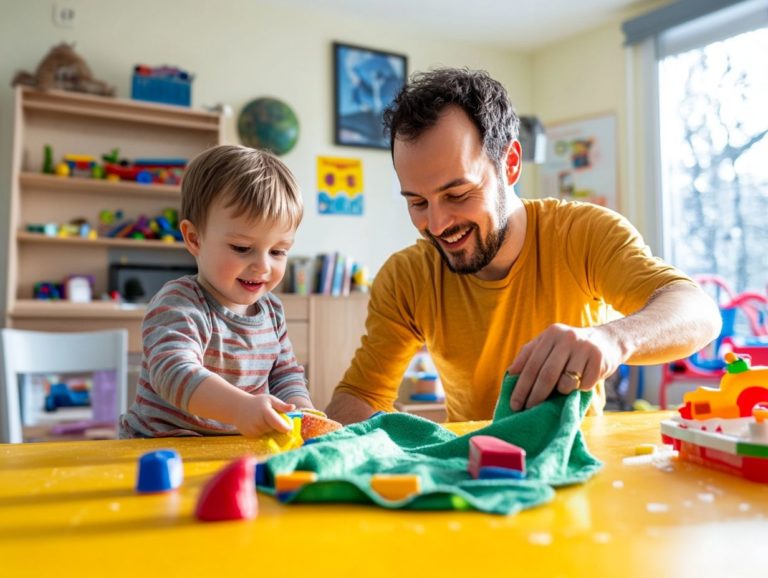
x,y
165,90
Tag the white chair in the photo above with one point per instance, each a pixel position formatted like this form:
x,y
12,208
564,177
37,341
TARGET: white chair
x,y
37,352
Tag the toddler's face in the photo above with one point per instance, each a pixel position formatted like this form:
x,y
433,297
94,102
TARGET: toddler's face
x,y
239,259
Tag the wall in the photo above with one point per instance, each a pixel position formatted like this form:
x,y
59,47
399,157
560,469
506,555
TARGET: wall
x,y
586,75
240,50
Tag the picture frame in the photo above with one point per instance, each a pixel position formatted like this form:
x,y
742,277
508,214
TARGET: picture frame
x,y
365,82
581,161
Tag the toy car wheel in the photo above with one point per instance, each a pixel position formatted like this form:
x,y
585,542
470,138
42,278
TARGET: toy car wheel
x,y
749,398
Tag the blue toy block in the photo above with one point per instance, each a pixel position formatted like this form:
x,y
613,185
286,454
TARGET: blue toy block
x,y
285,496
159,471
497,473
426,397
261,474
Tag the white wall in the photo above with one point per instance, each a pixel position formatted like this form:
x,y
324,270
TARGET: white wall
x,y
240,50
586,75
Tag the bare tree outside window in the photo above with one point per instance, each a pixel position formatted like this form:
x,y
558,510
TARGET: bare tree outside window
x,y
714,159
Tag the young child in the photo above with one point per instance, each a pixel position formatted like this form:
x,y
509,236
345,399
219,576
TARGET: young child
x,y
217,359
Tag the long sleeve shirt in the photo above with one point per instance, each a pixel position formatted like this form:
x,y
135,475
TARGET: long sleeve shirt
x,y
187,337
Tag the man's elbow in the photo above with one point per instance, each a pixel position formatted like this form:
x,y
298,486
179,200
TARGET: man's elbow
x,y
346,408
708,318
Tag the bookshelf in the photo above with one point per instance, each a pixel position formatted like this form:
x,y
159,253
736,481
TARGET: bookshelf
x,y
74,123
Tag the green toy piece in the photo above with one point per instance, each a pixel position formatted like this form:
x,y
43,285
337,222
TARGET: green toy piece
x,y
48,167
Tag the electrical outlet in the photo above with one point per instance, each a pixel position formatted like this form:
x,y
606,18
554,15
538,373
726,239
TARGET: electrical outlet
x,y
64,15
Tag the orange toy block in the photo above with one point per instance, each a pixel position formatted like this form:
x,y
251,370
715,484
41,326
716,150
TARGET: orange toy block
x,y
313,425
395,486
293,481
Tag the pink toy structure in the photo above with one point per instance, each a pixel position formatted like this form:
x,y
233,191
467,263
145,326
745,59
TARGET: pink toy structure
x,y
725,429
488,451
230,494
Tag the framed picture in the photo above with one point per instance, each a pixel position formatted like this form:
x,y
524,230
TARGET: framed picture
x,y
580,162
365,83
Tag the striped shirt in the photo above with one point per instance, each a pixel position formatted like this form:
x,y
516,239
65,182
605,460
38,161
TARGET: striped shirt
x,y
187,337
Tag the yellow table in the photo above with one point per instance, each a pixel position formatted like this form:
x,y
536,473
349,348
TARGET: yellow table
x,y
69,509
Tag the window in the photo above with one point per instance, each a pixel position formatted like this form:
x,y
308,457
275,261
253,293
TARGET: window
x,y
713,134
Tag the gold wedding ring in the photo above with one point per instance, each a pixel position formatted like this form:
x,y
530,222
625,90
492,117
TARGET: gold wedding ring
x,y
574,375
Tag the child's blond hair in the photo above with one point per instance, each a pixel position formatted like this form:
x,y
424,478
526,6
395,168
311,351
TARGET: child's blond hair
x,y
255,183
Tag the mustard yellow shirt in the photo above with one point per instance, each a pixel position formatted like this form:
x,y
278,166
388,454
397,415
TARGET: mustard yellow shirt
x,y
576,259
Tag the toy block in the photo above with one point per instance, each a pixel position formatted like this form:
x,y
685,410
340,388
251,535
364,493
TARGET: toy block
x,y
395,487
230,494
313,425
293,481
497,473
262,479
645,449
490,451
159,471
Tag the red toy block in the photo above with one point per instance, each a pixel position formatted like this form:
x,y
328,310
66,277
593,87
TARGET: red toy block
x,y
230,494
487,451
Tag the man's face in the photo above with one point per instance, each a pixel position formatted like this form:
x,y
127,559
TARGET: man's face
x,y
456,198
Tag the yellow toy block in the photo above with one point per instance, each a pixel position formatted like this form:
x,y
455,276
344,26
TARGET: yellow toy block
x,y
395,486
292,481
645,449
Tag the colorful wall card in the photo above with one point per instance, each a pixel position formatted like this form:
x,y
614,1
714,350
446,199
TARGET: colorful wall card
x,y
339,186
581,161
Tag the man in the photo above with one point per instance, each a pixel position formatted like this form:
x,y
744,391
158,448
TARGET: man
x,y
505,284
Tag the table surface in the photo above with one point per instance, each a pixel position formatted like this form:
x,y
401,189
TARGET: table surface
x,y
70,509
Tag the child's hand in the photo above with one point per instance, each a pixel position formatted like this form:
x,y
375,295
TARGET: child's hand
x,y
259,415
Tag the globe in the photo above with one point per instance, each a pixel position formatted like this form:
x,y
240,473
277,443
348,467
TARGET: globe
x,y
268,123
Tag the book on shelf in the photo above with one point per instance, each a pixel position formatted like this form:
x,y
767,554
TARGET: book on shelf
x,y
300,276
337,286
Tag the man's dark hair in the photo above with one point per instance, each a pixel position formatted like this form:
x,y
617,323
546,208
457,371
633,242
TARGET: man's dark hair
x,y
419,103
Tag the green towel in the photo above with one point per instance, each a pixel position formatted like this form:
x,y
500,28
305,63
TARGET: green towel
x,y
400,443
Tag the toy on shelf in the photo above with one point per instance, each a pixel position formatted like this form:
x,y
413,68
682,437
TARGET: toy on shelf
x,y
164,84
64,69
62,395
80,165
422,381
164,171
47,291
79,288
726,428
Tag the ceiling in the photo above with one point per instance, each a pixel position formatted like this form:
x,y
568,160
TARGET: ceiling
x,y
524,25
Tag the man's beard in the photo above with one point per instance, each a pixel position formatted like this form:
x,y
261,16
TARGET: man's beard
x,y
486,249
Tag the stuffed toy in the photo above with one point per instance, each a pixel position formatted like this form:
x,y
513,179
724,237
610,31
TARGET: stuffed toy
x,y
64,69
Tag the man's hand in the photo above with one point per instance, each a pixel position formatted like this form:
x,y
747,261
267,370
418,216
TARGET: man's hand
x,y
259,415
566,358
